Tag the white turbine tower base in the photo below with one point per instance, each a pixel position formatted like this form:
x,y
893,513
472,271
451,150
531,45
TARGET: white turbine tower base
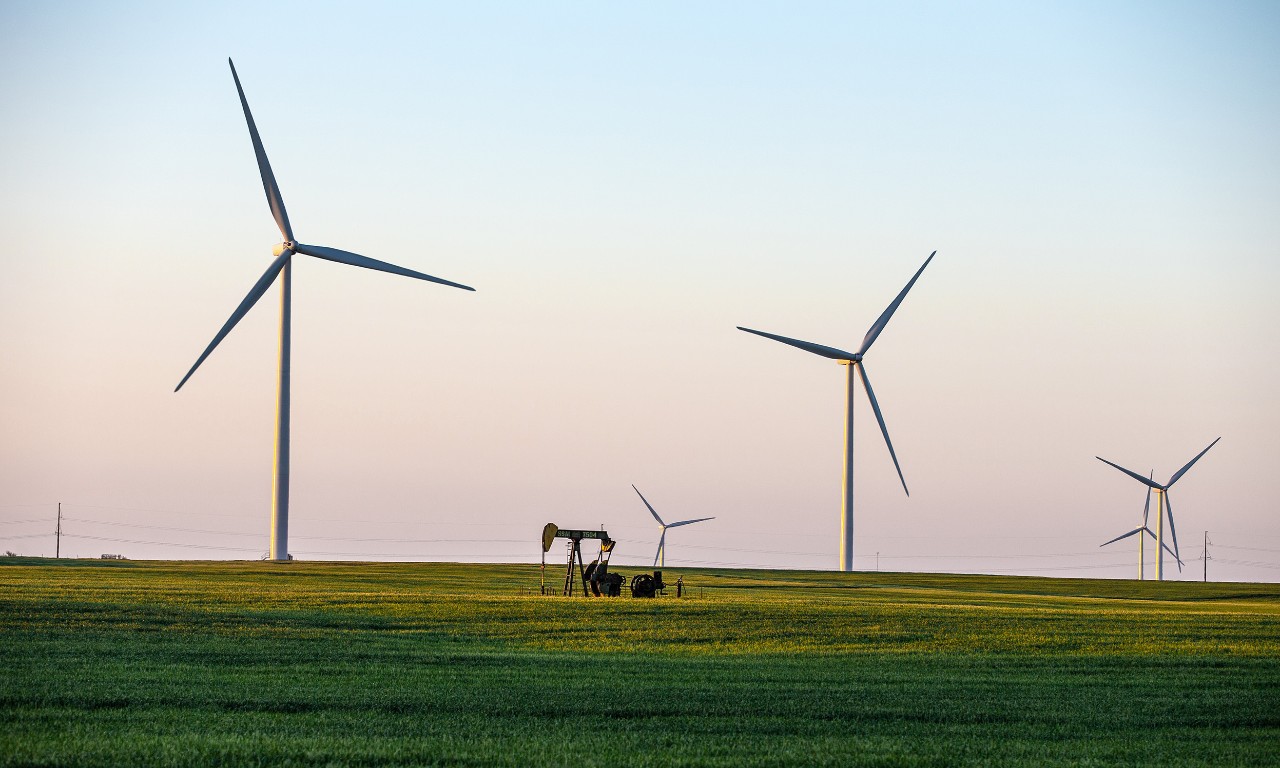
x,y
282,265
854,362
660,557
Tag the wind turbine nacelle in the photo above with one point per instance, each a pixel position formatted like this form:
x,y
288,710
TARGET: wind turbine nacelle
x,y
279,249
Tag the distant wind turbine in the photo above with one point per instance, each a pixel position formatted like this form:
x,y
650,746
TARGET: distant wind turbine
x,y
660,557
282,264
1146,510
854,361
1163,506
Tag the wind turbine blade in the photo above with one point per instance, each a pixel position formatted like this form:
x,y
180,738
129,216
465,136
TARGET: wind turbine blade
x,y
1168,508
874,331
356,260
1134,475
652,511
807,346
264,166
255,293
875,406
1183,471
1146,508
1154,538
1122,536
662,541
687,522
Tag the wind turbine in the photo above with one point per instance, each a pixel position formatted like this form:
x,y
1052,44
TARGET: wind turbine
x,y
1146,510
282,265
660,557
854,361
1163,506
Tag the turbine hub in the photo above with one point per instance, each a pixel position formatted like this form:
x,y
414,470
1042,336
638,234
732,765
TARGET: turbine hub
x,y
279,248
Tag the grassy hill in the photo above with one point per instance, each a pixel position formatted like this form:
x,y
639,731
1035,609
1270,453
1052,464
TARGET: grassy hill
x,y
112,663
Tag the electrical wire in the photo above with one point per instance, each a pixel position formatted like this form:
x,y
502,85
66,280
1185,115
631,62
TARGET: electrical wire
x,y
259,549
729,549
296,537
182,513
1072,567
1247,563
156,527
504,557
160,543
639,561
1251,549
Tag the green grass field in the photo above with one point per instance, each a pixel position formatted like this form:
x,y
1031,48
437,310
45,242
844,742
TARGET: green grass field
x,y
129,663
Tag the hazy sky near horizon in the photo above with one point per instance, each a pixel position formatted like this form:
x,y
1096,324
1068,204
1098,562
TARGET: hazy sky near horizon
x,y
623,185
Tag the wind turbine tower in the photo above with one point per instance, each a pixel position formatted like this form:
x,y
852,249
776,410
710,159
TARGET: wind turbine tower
x,y
282,266
1163,507
854,361
1144,528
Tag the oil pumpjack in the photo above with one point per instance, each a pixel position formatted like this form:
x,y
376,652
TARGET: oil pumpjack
x,y
596,579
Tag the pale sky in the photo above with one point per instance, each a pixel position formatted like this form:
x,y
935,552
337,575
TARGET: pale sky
x,y
624,184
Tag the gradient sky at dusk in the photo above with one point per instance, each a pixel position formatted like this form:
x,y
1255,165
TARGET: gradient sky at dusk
x,y
624,184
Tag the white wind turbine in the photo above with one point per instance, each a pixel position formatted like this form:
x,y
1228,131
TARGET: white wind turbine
x,y
282,265
854,361
1146,510
660,557
1163,506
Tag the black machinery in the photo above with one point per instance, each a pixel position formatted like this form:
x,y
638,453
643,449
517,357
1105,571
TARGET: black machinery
x,y
595,576
644,585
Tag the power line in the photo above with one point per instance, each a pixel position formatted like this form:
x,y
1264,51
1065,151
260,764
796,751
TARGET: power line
x,y
640,561
1073,567
1250,535
770,533
259,549
184,513
309,538
416,555
887,557
159,527
789,553
1251,549
162,543
491,556
996,557
417,541
1249,563
731,549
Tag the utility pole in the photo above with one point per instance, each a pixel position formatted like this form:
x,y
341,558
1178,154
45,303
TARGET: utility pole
x,y
877,561
57,535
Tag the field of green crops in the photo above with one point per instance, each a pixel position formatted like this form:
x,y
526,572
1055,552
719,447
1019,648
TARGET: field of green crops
x,y
147,663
